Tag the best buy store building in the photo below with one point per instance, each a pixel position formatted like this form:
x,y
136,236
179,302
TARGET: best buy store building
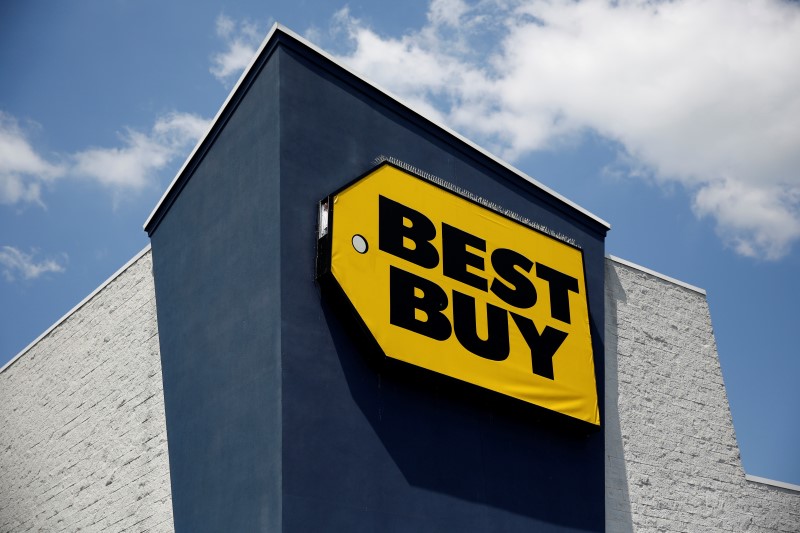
x,y
351,319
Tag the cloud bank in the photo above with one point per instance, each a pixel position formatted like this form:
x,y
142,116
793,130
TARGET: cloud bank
x,y
704,93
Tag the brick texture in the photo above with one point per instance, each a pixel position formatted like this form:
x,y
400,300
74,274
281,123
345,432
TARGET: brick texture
x,y
83,442
672,461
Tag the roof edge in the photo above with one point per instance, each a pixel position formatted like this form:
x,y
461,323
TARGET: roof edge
x,y
443,127
656,274
278,28
212,125
772,482
80,304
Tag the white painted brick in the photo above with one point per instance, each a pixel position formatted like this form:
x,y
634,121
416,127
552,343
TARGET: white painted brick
x,y
82,432
672,461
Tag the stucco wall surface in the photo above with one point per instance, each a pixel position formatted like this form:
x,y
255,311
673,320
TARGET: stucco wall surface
x,y
83,442
672,461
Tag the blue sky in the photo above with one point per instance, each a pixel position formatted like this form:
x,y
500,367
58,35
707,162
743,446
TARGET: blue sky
x,y
677,122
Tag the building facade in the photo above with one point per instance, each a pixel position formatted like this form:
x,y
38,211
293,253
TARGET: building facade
x,y
214,384
84,444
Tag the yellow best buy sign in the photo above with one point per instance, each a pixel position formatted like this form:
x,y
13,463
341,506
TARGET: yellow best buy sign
x,y
449,285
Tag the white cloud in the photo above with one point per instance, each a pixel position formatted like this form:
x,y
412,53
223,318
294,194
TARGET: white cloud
x,y
755,221
704,93
447,12
17,264
22,170
241,42
131,166
135,163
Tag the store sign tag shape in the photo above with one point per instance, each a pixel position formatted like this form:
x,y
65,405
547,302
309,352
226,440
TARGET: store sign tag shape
x,y
449,285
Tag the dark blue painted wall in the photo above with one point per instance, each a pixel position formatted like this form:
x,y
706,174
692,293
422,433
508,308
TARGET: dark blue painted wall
x,y
277,418
216,264
385,454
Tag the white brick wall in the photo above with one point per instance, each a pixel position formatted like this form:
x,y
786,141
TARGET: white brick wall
x,y
82,435
83,440
672,461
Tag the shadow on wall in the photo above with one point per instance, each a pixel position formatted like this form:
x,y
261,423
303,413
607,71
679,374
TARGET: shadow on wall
x,y
618,504
454,439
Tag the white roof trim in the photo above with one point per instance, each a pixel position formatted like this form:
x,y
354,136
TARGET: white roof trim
x,y
657,274
765,481
74,309
279,27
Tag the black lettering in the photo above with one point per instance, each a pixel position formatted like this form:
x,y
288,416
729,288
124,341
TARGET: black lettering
x,y
404,302
560,287
543,347
495,347
522,293
393,232
456,257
